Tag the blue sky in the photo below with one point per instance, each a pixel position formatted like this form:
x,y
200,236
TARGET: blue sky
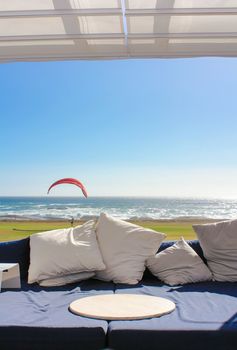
x,y
138,127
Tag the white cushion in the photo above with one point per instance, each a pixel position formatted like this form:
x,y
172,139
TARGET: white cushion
x,y
179,264
61,281
63,252
125,248
219,245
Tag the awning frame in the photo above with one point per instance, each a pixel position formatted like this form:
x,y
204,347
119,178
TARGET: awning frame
x,y
80,32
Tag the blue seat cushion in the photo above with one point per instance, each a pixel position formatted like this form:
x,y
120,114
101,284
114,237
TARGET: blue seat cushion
x,y
205,318
36,318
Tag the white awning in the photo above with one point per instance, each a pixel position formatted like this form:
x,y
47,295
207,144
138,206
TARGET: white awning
x,y
36,30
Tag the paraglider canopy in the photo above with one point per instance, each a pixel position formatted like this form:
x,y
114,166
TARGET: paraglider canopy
x,y
69,181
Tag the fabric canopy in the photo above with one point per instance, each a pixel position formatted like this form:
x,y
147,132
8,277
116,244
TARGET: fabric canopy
x,y
110,29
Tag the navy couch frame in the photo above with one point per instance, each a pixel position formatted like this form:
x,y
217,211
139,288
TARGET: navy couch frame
x,y
205,317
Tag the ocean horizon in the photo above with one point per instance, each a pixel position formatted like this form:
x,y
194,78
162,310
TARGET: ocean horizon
x,y
128,208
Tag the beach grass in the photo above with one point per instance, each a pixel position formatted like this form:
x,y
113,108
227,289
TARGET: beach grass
x,y
14,230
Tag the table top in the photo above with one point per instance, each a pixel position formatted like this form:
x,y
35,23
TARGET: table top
x,y
6,266
122,306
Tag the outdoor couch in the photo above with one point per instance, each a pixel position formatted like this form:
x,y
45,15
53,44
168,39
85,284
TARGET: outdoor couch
x,y
37,318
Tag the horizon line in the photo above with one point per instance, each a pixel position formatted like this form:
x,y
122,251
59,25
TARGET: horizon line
x,y
123,196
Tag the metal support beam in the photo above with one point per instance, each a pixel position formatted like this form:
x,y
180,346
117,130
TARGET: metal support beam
x,y
183,35
66,12
183,12
60,37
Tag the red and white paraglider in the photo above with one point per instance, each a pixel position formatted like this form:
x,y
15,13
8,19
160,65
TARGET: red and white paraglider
x,y
70,181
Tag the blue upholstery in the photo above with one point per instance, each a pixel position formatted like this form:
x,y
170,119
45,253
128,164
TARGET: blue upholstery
x,y
16,252
205,318
36,318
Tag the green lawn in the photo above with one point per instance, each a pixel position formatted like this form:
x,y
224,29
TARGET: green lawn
x,y
16,230
173,230
12,230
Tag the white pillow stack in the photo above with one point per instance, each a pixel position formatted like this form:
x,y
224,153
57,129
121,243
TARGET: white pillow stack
x,y
219,245
179,264
63,256
112,250
125,247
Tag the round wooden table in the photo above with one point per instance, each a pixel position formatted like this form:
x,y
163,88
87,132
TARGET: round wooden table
x,y
121,306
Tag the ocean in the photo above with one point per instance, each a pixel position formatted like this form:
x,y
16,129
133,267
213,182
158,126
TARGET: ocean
x,y
61,208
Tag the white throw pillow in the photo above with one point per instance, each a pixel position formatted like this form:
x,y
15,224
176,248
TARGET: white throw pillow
x,y
64,252
125,247
61,281
179,264
219,245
